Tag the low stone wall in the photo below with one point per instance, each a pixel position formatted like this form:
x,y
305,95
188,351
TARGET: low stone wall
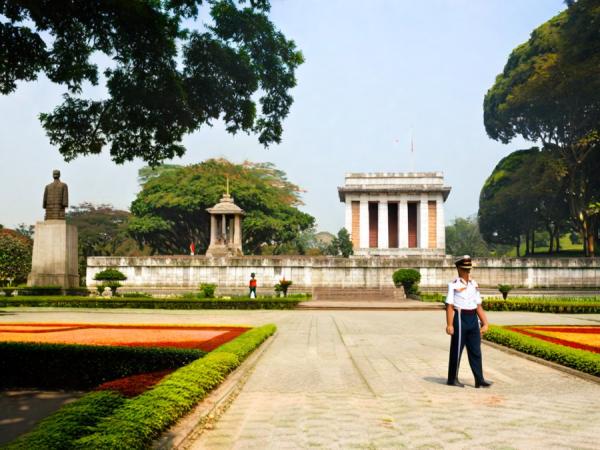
x,y
232,274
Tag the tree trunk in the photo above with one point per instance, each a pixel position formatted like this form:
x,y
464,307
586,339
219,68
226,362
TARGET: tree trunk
x,y
551,239
526,243
519,246
557,240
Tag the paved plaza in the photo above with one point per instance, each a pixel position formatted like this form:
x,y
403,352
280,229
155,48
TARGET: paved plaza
x,y
369,379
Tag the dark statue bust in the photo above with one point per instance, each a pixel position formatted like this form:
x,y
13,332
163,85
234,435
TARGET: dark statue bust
x,y
56,198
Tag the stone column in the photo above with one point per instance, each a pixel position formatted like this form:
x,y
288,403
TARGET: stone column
x,y
224,227
237,233
213,229
348,216
402,224
423,225
382,226
441,228
364,223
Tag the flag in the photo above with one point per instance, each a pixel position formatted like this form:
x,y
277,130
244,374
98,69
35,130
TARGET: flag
x,y
192,249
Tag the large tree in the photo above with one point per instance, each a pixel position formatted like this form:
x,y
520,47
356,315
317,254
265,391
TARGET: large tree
x,y
463,238
102,231
524,193
169,212
15,257
549,92
163,80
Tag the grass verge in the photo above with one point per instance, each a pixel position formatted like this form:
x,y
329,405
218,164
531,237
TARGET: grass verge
x,y
581,360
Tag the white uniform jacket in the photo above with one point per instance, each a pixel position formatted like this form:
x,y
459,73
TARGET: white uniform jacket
x,y
463,295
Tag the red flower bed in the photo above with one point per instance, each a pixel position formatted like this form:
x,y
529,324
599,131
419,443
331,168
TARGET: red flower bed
x,y
580,337
135,384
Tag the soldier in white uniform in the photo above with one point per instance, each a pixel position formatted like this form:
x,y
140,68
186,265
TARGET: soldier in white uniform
x,y
463,315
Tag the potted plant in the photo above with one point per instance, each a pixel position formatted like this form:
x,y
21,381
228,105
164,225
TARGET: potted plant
x,y
111,278
409,280
504,290
285,284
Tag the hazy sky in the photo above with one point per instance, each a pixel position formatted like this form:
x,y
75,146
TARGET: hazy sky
x,y
376,71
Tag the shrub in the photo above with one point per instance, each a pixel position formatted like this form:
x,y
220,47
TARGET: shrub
x,y
582,360
504,290
39,290
113,285
208,290
548,306
140,420
409,279
186,302
65,366
136,295
77,291
283,286
8,291
110,275
69,423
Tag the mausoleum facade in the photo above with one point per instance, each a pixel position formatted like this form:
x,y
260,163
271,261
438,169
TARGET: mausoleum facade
x,y
395,214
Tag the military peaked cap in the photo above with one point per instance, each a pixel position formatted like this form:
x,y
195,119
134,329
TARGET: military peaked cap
x,y
463,262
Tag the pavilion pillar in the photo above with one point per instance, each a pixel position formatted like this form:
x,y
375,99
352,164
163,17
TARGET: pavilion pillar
x,y
213,229
237,230
423,238
382,225
364,223
441,228
402,224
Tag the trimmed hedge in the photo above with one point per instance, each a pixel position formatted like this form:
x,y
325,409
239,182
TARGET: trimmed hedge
x,y
39,290
548,306
140,420
69,423
153,303
66,366
581,360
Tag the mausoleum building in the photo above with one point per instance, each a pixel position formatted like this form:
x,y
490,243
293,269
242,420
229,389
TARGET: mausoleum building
x,y
395,214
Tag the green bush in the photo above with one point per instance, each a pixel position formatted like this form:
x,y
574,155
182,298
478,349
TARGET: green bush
x,y
576,306
110,275
152,303
40,290
135,295
208,290
504,290
140,420
582,360
409,279
8,291
69,423
78,291
64,366
283,286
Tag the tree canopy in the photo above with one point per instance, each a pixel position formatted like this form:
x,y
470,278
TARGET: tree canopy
x,y
549,92
525,193
169,213
463,238
15,256
163,80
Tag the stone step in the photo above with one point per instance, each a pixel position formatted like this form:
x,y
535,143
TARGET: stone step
x,y
358,294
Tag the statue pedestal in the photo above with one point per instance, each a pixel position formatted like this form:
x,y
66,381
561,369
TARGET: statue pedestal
x,y
54,260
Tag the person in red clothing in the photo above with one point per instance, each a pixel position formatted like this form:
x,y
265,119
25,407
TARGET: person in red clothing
x,y
252,286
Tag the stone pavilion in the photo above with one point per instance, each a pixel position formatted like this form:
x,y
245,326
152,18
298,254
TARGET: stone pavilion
x,y
395,214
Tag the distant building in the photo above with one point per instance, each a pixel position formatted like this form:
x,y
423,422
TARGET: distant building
x,y
395,214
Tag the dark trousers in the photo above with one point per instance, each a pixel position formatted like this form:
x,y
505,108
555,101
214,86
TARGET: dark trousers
x,y
252,289
466,333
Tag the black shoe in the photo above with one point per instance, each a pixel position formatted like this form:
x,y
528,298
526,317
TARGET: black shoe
x,y
483,384
455,383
